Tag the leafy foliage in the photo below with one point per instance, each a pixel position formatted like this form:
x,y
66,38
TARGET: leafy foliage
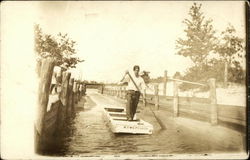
x,y
200,39
230,46
230,50
60,48
201,42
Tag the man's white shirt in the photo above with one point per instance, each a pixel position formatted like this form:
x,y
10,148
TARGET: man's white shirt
x,y
138,81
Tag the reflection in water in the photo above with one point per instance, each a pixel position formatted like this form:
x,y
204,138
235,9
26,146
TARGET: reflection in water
x,y
88,134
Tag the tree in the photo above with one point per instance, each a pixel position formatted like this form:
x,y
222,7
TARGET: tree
x,y
230,50
200,39
60,48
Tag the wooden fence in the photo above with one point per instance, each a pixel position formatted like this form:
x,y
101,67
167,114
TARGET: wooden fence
x,y
54,109
205,109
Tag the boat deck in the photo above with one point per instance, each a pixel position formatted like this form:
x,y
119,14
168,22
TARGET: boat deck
x,y
118,123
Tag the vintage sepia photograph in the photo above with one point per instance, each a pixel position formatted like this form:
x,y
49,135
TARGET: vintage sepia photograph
x,y
129,79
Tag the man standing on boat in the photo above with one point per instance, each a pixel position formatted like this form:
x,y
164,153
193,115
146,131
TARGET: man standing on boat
x,y
135,85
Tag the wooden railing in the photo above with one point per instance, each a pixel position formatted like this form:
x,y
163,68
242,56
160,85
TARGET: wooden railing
x,y
205,109
53,109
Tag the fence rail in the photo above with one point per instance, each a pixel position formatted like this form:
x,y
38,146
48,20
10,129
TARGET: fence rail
x,y
52,116
205,109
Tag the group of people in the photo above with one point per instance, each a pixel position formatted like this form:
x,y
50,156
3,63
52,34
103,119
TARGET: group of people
x,y
135,86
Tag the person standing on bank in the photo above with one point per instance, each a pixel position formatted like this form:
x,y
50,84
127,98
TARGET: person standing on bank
x,y
133,94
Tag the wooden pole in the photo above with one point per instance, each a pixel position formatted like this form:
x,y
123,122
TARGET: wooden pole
x,y
69,96
38,67
65,85
225,73
78,91
46,72
74,92
59,82
175,100
144,99
63,96
120,91
156,88
178,80
213,101
102,88
124,92
72,96
165,83
117,92
84,89
81,89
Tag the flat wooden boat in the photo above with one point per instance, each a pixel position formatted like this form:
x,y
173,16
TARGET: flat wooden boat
x,y
116,117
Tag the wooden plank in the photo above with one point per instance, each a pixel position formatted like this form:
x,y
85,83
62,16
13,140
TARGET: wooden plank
x,y
53,112
121,125
233,112
117,115
194,100
197,107
194,115
156,96
204,114
114,109
232,120
43,95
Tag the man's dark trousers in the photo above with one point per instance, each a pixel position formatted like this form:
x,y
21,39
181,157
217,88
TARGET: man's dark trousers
x,y
132,102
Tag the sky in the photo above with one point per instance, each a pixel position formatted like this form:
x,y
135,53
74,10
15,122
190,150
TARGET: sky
x,y
114,36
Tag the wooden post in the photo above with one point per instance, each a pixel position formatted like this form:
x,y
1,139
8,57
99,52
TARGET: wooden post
x,y
38,67
175,101
63,96
46,72
74,91
77,91
72,82
69,103
165,83
65,85
120,92
59,81
84,89
156,87
102,88
80,91
225,73
125,92
144,99
213,101
116,91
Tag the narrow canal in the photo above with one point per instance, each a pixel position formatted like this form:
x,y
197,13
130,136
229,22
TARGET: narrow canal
x,y
88,134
